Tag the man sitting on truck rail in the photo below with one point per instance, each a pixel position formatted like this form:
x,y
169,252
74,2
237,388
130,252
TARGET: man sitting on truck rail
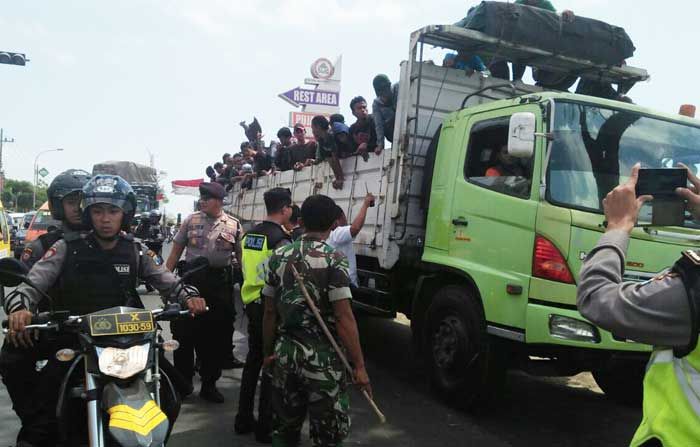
x,y
303,152
384,109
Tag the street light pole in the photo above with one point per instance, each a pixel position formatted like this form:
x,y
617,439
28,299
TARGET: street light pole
x,y
36,172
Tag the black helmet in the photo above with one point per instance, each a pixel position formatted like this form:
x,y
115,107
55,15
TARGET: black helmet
x,y
110,189
154,217
63,184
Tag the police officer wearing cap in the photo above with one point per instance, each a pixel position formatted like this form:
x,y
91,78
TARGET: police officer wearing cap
x,y
17,359
215,235
663,312
84,275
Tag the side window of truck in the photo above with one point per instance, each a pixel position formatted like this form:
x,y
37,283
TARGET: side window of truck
x,y
488,164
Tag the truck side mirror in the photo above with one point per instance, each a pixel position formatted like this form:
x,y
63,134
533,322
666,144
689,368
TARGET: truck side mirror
x,y
521,135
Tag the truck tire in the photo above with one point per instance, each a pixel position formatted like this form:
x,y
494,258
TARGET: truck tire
x,y
622,382
462,368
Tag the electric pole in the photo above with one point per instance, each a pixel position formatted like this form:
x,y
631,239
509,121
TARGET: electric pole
x,y
2,170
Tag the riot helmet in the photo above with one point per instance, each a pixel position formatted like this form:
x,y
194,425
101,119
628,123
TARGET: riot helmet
x,y
65,183
155,217
112,190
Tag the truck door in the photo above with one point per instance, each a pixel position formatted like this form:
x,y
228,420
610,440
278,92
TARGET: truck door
x,y
493,216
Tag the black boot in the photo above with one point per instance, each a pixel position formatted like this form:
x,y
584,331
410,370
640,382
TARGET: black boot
x,y
210,393
244,424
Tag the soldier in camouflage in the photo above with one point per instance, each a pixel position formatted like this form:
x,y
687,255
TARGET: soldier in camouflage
x,y
307,374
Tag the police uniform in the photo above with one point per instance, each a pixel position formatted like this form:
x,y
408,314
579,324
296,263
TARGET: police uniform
x,y
83,278
662,312
36,249
307,374
258,245
18,364
210,334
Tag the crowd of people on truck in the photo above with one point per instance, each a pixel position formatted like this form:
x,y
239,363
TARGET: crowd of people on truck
x,y
333,140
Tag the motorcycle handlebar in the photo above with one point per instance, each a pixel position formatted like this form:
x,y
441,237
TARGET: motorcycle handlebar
x,y
43,321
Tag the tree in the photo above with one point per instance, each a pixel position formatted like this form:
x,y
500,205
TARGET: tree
x,y
18,194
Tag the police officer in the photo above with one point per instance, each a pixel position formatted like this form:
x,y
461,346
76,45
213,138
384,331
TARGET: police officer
x,y
64,194
215,235
18,363
85,275
258,245
663,312
307,374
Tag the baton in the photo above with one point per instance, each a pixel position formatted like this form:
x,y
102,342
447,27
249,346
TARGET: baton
x,y
317,314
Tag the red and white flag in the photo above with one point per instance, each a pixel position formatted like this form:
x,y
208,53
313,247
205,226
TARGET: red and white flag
x,y
186,187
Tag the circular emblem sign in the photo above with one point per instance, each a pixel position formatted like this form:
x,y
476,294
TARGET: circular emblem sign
x,y
322,69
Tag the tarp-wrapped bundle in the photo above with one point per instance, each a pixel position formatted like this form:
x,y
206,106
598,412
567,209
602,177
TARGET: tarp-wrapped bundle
x,y
582,38
133,173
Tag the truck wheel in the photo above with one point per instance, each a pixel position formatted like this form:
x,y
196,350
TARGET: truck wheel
x,y
462,369
622,381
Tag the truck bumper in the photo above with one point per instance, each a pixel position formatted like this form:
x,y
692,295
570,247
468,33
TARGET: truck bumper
x,y
559,325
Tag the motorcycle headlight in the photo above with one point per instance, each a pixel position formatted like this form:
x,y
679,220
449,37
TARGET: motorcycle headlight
x,y
123,363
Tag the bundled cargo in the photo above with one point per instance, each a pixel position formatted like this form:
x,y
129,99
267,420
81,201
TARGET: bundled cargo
x,y
581,38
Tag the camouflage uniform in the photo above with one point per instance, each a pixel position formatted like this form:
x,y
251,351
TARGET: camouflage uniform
x,y
307,374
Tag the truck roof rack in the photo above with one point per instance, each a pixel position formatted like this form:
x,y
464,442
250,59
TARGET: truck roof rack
x,y
474,42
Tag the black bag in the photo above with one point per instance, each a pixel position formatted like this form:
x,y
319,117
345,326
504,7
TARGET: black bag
x,y
583,38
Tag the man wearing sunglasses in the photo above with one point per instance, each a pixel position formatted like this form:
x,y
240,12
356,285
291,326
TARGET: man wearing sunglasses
x,y
215,235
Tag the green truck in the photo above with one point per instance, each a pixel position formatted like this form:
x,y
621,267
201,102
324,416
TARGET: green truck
x,y
485,267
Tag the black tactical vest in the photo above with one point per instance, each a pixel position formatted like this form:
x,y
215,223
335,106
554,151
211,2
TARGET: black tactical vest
x,y
94,279
273,231
688,268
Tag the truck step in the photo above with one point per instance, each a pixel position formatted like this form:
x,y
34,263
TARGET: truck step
x,y
374,311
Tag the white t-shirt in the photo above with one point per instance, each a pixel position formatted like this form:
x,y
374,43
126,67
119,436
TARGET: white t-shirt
x,y
341,240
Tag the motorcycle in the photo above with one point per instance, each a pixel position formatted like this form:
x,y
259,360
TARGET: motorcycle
x,y
119,352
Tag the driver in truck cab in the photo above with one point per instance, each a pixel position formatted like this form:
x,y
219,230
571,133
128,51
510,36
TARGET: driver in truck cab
x,y
85,275
506,165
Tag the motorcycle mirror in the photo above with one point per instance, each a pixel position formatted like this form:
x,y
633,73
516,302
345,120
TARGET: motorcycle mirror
x,y
12,272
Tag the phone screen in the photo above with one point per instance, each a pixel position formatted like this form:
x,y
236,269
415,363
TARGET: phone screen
x,y
661,182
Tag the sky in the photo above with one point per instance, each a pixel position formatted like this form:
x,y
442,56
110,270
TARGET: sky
x,y
173,78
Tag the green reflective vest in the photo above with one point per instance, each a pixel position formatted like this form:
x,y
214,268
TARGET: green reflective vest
x,y
671,400
258,245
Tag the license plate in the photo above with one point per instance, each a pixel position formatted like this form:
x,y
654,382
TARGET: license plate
x,y
121,324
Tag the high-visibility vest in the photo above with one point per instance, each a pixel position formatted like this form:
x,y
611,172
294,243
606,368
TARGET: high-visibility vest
x,y
671,400
258,246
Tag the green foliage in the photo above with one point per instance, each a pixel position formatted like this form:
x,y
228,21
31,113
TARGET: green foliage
x,y
17,195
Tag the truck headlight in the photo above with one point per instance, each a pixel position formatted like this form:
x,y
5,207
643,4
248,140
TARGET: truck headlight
x,y
123,363
572,329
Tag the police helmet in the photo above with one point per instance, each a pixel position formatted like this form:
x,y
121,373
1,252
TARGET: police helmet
x,y
65,183
112,190
155,217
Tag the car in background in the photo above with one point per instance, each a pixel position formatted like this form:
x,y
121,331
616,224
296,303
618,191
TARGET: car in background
x,y
41,224
23,223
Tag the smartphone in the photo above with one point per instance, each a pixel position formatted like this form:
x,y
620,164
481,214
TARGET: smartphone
x,y
662,182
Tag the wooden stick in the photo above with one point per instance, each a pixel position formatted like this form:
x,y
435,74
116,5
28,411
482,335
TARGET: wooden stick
x,y
331,339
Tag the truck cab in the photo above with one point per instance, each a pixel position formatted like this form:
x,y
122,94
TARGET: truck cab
x,y
517,238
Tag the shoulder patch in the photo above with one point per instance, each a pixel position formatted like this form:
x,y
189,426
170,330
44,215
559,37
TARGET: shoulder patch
x,y
157,259
49,253
26,254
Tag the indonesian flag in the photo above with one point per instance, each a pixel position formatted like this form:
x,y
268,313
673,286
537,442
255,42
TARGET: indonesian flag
x,y
186,187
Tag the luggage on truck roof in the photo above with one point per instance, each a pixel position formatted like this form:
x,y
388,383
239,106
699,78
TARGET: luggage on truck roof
x,y
474,42
582,37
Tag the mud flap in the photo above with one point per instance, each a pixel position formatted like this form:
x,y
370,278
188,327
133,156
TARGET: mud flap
x,y
135,420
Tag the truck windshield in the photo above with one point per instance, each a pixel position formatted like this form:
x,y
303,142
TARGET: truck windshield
x,y
595,148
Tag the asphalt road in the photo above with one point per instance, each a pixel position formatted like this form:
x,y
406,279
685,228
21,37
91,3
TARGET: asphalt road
x,y
530,412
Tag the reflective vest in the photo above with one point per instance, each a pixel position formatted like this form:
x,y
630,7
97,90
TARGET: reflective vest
x,y
672,381
258,245
671,400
